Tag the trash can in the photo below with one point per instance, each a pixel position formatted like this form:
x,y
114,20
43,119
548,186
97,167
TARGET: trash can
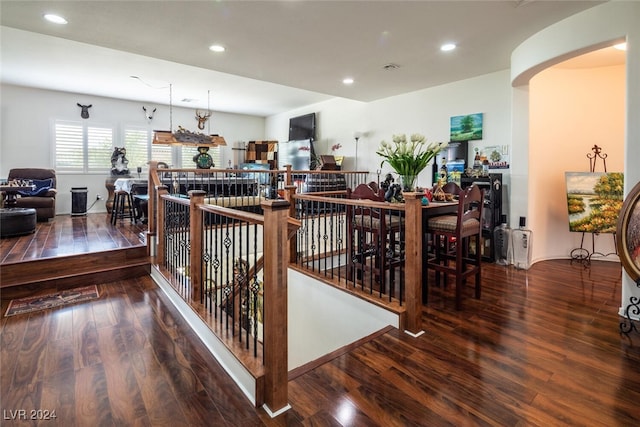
x,y
78,201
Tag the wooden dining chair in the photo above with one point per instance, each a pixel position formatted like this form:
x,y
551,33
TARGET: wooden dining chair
x,y
452,236
374,246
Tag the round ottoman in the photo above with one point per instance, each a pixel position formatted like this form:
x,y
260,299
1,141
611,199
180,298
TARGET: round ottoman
x,y
17,221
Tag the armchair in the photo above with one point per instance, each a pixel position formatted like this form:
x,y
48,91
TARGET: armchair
x,y
45,201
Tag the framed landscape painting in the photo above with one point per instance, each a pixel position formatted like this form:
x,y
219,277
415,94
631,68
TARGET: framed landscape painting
x,y
594,200
466,128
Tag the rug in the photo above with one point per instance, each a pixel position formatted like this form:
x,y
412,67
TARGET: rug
x,y
42,302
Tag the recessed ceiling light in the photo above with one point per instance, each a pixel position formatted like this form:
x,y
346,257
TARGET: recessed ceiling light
x,y
216,48
620,46
447,47
56,19
348,81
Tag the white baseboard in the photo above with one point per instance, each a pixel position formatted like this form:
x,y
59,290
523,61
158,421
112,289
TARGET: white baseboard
x,y
230,364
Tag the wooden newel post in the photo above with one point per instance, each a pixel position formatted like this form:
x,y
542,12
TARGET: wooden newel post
x,y
152,182
160,191
289,191
288,178
413,262
275,305
196,197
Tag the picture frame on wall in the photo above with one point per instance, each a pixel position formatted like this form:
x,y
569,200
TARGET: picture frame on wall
x,y
594,200
628,234
466,128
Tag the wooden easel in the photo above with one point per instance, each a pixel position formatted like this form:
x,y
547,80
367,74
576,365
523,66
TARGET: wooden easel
x,y
582,254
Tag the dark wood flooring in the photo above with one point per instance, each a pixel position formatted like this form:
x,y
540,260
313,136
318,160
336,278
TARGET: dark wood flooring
x,y
541,348
70,235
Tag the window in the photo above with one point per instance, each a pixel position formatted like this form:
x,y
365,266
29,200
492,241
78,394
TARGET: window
x,y
82,148
162,153
138,142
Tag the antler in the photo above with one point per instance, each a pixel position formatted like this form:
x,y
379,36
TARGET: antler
x,y
202,118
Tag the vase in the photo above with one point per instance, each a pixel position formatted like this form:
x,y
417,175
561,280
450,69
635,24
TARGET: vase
x,y
408,182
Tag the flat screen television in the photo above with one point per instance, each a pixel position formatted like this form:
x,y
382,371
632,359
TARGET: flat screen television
x,y
302,127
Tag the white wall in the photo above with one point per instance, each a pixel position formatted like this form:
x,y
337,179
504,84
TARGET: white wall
x,y
26,137
314,306
588,30
426,111
336,121
571,110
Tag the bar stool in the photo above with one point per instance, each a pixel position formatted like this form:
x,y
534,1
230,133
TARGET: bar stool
x,y
122,207
374,245
458,229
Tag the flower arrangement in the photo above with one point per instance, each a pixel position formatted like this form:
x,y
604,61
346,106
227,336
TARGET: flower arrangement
x,y
408,158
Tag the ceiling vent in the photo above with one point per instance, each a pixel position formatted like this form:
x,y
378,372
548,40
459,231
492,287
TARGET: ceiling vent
x,y
390,67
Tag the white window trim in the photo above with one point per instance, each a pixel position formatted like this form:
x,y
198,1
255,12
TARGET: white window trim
x,y
85,161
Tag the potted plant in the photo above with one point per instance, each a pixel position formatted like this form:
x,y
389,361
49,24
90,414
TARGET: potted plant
x,y
409,157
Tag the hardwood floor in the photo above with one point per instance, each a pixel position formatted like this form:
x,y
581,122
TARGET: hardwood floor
x,y
70,235
541,348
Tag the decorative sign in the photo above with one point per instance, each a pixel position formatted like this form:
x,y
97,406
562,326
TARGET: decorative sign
x,y
185,137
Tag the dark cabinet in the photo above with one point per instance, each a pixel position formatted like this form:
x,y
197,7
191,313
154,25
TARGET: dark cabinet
x,y
492,209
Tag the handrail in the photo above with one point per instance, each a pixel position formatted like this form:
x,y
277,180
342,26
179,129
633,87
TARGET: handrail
x,y
232,213
334,208
188,234
279,248
351,202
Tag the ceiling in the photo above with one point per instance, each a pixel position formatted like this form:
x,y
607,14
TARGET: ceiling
x,y
280,55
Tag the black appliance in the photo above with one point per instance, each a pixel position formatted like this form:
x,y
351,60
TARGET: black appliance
x,y
492,209
302,127
457,150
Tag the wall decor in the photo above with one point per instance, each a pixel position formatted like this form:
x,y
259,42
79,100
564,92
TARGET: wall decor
x,y
148,114
84,110
466,128
628,233
628,242
494,156
594,200
262,152
202,118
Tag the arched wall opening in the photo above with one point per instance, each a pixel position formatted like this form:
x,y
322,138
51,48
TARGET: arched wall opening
x,y
573,106
594,28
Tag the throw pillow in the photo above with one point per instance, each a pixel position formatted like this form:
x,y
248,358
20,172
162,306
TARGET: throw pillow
x,y
41,186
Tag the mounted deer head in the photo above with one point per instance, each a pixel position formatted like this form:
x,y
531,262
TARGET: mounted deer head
x,y
202,118
85,110
147,114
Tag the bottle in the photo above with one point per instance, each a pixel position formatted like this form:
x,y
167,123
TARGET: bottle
x,y
434,172
477,164
502,240
443,171
521,239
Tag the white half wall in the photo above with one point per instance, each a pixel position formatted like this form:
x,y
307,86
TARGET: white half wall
x,y
323,319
